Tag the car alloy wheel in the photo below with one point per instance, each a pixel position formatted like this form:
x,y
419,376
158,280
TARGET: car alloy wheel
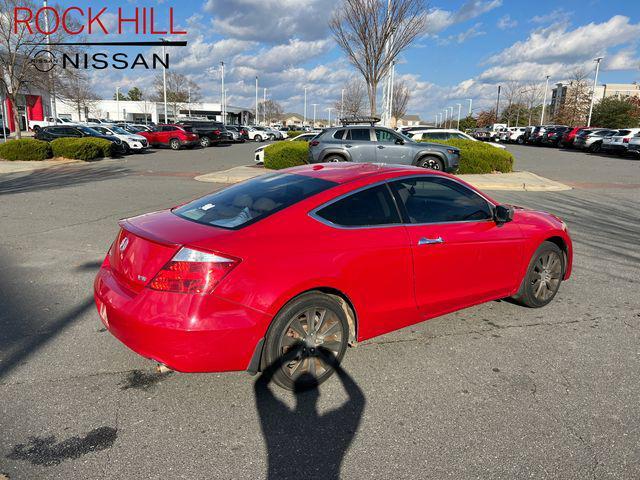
x,y
205,142
174,144
304,332
334,159
543,278
257,138
432,163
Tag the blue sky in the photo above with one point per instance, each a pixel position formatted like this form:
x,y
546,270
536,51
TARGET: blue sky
x,y
469,48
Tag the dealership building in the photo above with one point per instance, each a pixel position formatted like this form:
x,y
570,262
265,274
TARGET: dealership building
x,y
34,105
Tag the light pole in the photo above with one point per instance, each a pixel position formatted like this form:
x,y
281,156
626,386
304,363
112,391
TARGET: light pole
x,y
164,81
54,108
451,117
329,109
222,111
304,117
342,105
117,104
544,101
314,114
593,93
446,114
255,120
459,111
498,104
470,100
189,89
264,106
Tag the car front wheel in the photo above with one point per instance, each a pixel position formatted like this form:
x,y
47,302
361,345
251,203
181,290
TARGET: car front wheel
x,y
205,142
306,330
432,163
174,144
257,138
333,159
543,277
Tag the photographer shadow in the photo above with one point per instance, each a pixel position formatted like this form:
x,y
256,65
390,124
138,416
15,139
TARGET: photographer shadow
x,y
301,442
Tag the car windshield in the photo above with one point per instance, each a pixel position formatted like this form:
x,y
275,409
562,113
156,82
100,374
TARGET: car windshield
x,y
119,131
248,202
89,131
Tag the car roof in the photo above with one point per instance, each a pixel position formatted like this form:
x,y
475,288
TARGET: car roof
x,y
344,172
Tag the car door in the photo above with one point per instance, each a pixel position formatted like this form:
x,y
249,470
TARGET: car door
x,y
461,256
360,145
371,250
390,148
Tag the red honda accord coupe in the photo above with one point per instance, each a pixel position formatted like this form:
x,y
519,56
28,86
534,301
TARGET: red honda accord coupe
x,y
311,259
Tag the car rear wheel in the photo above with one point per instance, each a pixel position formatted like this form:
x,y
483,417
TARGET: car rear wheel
x,y
258,138
306,329
595,147
334,159
543,277
432,163
174,144
520,140
205,142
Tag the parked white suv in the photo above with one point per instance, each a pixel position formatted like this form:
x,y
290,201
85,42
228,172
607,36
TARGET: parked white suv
x,y
619,143
443,134
130,141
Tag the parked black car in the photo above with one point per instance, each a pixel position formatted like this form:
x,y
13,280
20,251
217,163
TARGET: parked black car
x,y
211,133
51,133
552,136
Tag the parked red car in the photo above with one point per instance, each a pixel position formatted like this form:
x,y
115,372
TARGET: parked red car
x,y
569,136
172,136
318,257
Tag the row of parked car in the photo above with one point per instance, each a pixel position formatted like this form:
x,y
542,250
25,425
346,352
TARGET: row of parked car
x,y
592,139
187,133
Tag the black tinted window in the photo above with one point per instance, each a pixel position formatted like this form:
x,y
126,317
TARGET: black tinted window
x,y
248,202
339,134
361,134
370,207
437,200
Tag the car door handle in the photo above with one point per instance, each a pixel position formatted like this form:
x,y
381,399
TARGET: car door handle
x,y
430,241
348,146
380,147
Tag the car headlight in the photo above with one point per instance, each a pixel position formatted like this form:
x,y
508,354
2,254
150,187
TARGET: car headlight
x,y
132,139
453,152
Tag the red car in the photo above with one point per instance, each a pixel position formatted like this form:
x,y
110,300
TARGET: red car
x,y
172,136
569,136
314,258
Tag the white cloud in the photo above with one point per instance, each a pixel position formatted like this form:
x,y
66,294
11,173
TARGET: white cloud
x,y
559,15
439,19
462,37
626,59
286,55
506,22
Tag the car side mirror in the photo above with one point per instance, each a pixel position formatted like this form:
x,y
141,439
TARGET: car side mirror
x,y
399,141
503,214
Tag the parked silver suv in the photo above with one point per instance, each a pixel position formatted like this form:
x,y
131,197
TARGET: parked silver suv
x,y
363,143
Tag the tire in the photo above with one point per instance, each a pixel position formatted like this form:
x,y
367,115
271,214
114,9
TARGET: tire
x,y
520,141
333,158
543,278
205,142
290,332
174,144
126,149
431,162
595,147
257,138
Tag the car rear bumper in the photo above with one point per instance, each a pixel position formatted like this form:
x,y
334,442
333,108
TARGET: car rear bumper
x,y
189,143
187,333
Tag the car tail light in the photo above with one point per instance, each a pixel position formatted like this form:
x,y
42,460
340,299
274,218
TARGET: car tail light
x,y
314,143
216,132
625,140
193,271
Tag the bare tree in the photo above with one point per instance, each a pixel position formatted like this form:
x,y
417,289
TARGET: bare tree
x,y
270,110
574,106
401,97
76,89
355,92
372,33
532,96
179,88
512,95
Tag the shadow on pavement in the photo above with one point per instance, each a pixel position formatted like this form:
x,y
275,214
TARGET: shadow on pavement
x,y
302,443
26,321
58,177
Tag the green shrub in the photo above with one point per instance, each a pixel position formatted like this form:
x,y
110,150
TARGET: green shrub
x,y
25,149
286,154
82,148
294,133
480,157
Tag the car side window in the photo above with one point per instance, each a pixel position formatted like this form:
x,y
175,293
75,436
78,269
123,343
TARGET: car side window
x,y
366,208
358,134
459,135
339,134
72,132
434,136
385,136
439,200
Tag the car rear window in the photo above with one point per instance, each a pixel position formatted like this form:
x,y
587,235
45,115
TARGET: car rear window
x,y
248,202
623,132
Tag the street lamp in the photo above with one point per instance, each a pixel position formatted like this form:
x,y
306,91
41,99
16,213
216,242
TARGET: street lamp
x,y
470,100
255,119
342,105
314,114
222,107
329,109
459,111
117,105
451,117
593,93
544,101
446,115
164,80
264,106
304,117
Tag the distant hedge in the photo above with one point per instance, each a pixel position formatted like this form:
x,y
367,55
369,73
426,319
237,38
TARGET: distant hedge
x,y
294,133
25,149
285,155
82,148
480,157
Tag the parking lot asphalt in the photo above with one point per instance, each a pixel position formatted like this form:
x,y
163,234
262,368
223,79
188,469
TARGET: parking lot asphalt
x,y
495,391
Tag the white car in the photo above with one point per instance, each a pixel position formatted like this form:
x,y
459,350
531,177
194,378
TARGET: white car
x,y
257,134
444,134
634,145
513,135
303,137
50,122
619,143
131,141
